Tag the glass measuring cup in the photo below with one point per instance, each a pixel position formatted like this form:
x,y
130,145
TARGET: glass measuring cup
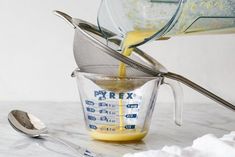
x,y
120,109
192,17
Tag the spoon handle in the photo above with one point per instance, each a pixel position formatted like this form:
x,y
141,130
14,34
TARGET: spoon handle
x,y
200,89
81,152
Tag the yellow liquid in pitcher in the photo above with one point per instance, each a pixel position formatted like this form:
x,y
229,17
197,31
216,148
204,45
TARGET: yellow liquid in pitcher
x,y
121,134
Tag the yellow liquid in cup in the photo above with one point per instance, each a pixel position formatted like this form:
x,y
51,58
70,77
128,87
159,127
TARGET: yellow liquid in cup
x,y
121,134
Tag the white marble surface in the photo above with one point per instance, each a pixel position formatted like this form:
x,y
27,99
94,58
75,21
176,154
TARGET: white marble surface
x,y
65,120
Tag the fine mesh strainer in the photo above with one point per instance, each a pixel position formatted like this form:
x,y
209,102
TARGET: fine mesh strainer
x,y
90,56
91,52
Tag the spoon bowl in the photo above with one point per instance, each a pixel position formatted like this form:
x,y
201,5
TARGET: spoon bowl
x,y
26,123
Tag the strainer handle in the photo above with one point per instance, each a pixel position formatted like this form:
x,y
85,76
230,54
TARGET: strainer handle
x,y
178,97
200,89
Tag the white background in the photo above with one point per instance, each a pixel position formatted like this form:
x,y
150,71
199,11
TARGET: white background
x,y
36,57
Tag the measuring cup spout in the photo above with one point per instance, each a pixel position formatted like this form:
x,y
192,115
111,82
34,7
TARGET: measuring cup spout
x,y
65,17
75,72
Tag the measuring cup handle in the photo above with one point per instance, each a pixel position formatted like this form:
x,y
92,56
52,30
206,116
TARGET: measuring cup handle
x,y
178,97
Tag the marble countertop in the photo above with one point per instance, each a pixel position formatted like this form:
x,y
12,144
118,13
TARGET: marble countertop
x,y
65,120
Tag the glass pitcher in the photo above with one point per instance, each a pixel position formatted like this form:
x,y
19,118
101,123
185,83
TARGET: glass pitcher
x,y
120,109
167,17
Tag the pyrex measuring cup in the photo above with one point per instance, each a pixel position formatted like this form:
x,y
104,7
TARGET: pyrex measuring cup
x,y
120,109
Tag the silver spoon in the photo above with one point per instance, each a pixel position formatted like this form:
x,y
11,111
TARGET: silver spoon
x,y
31,126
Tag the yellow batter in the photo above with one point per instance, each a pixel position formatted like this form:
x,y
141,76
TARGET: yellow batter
x,y
121,134
118,136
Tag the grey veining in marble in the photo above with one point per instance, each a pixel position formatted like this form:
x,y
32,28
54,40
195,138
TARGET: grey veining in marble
x,y
65,120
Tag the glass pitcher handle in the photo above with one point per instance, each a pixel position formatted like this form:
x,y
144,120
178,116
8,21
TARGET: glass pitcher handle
x,y
178,96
